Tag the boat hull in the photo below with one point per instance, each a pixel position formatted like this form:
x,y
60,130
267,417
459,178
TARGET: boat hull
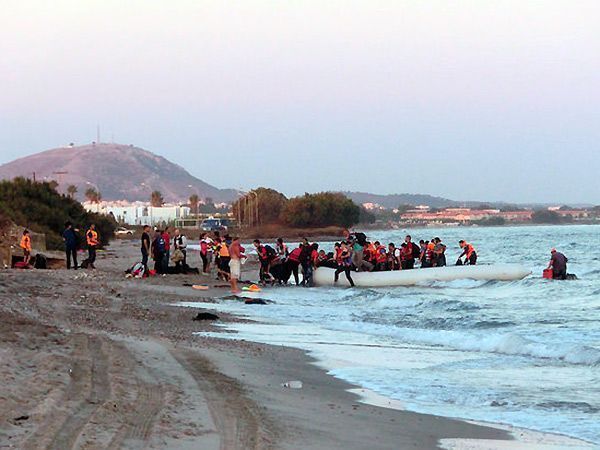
x,y
323,276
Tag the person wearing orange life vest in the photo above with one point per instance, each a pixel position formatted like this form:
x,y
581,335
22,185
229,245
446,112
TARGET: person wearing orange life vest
x,y
25,245
224,257
92,242
381,257
371,254
468,252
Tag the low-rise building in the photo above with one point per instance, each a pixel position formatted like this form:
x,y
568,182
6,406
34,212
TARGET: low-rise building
x,y
139,213
463,215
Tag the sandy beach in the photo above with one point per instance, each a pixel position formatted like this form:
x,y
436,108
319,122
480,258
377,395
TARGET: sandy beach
x,y
93,360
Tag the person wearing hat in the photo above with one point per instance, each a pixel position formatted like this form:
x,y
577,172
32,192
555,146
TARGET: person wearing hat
x,y
558,264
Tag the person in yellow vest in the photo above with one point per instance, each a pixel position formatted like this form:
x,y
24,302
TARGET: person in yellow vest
x,y
224,258
26,246
92,243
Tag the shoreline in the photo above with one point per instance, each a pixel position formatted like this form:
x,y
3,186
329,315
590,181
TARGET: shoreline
x,y
93,359
519,437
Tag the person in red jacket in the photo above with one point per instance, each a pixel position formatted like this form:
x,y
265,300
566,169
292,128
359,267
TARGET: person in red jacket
x,y
293,262
408,253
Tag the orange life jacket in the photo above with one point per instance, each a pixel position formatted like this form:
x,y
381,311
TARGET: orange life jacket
x,y
381,254
92,237
223,250
469,249
26,242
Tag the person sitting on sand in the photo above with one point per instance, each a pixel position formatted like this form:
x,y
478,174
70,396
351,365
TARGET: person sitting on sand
x,y
180,244
235,264
26,246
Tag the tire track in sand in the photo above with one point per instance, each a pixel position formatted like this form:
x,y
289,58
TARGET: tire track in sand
x,y
138,429
239,422
96,376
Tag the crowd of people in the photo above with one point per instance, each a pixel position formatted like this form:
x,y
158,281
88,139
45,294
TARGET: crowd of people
x,y
354,253
280,263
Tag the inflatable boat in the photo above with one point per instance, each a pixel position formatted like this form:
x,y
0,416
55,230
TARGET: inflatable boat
x,y
323,276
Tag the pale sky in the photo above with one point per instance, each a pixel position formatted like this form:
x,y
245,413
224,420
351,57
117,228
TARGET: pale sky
x,y
470,100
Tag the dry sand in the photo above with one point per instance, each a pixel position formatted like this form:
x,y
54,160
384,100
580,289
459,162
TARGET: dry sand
x,y
90,360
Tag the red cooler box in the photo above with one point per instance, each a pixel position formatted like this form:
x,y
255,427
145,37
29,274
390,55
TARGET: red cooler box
x,y
547,273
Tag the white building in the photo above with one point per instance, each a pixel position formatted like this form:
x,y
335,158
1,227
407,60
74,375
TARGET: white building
x,y
139,213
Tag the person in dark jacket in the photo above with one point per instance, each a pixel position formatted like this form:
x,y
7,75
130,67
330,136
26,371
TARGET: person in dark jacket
x,y
70,238
146,247
305,262
158,251
558,264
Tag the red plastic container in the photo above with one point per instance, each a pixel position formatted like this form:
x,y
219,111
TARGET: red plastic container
x,y
547,273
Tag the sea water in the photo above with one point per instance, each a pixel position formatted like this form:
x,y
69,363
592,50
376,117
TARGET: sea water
x,y
526,353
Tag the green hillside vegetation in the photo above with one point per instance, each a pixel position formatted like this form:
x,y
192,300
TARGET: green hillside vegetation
x,y
38,207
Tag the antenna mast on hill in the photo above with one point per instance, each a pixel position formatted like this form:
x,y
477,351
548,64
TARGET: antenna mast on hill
x,y
97,134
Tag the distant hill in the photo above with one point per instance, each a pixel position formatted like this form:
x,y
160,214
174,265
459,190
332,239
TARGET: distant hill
x,y
118,172
394,200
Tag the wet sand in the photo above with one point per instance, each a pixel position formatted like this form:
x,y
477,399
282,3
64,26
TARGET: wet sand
x,y
92,360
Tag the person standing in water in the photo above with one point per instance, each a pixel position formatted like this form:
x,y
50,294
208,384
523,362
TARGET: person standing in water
x,y
344,261
558,264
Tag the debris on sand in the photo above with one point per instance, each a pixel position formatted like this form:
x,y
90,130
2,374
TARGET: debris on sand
x,y
206,316
256,301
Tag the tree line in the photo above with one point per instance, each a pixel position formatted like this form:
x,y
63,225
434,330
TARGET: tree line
x,y
264,206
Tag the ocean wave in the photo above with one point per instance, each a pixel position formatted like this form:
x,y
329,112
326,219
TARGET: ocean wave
x,y
583,407
513,344
506,344
450,323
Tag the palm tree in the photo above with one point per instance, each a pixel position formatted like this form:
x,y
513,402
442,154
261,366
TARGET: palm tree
x,y
194,199
156,199
92,195
72,190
